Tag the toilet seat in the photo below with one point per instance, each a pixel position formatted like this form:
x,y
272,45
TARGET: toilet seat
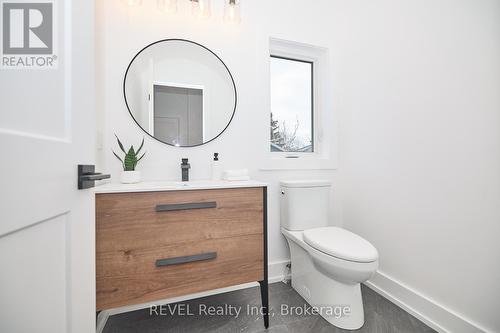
x,y
341,244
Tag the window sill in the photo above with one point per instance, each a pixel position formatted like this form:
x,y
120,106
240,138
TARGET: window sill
x,y
274,164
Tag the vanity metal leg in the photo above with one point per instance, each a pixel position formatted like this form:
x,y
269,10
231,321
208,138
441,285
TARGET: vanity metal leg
x,y
264,285
264,294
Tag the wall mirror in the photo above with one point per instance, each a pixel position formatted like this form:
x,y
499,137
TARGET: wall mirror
x,y
180,92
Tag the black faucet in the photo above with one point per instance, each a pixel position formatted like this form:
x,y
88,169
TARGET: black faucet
x,y
185,166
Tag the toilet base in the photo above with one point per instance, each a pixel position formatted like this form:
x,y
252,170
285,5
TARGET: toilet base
x,y
339,303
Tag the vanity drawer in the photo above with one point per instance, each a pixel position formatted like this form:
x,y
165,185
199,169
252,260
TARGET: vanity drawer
x,y
131,220
133,277
138,235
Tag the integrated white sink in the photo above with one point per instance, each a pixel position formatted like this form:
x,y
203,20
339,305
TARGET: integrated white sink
x,y
198,183
175,186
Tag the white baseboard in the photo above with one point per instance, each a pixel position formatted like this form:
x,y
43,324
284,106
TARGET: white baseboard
x,y
277,271
427,310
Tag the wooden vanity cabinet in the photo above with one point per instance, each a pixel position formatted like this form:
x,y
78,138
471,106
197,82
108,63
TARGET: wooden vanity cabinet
x,y
156,245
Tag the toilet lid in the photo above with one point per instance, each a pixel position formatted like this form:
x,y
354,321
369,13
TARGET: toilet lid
x,y
341,243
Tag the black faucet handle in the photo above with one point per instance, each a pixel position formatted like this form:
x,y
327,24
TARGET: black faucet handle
x,y
185,164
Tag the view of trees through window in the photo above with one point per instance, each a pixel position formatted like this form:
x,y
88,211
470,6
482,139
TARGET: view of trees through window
x,y
291,105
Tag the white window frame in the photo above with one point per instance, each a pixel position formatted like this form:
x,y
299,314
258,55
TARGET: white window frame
x,y
324,128
313,107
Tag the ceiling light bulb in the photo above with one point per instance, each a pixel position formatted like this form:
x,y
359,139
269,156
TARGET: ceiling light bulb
x,y
201,8
232,12
167,6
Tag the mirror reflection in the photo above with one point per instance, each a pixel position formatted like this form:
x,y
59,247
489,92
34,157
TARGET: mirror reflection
x,y
180,93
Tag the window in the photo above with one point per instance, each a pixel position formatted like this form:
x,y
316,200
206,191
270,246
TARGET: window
x,y
292,105
298,125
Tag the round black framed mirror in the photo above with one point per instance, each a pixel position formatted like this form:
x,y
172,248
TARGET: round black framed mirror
x,y
180,92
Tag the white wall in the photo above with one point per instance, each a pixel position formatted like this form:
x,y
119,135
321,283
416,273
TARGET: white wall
x,y
123,31
416,85
420,147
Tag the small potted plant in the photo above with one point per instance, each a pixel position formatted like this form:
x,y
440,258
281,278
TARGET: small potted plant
x,y
129,162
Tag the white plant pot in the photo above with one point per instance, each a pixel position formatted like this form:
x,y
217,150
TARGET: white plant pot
x,y
130,177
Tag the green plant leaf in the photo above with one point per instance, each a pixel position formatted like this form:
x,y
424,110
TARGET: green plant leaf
x,y
140,158
142,144
120,144
118,157
130,160
131,151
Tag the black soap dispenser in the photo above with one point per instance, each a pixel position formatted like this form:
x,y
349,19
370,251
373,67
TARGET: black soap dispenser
x,y
216,168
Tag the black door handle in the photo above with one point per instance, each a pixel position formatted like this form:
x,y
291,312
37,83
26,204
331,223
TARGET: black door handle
x,y
87,176
94,176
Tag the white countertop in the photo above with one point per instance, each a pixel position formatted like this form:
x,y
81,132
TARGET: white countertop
x,y
176,186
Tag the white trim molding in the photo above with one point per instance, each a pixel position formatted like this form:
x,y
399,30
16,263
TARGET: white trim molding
x,y
435,315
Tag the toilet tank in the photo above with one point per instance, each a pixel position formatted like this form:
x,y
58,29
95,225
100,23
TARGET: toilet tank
x,y
304,204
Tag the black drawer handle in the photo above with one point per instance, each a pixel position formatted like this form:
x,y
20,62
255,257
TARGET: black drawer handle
x,y
185,259
186,206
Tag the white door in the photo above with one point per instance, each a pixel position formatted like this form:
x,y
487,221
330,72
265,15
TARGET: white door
x,y
47,127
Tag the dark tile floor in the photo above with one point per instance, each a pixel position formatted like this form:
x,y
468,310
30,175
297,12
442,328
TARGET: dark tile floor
x,y
381,316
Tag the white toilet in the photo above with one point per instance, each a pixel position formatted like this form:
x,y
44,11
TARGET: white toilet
x,y
328,263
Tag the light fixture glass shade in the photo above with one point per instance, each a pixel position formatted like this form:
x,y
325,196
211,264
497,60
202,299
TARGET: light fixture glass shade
x,y
167,6
201,8
132,3
232,12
